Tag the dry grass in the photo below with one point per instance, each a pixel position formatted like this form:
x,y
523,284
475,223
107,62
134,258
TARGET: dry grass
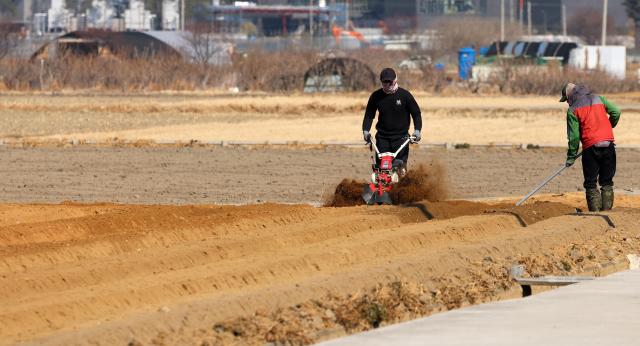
x,y
275,72
455,33
547,81
329,118
100,73
259,71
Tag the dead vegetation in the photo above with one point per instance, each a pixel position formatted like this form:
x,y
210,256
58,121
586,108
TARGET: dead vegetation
x,y
9,37
515,80
279,72
454,32
284,71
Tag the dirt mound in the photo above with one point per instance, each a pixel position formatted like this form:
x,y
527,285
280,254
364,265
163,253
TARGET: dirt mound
x,y
347,194
537,211
426,182
390,302
527,214
247,275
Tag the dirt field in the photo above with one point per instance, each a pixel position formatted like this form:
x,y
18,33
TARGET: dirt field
x,y
239,175
185,117
122,274
202,274
205,245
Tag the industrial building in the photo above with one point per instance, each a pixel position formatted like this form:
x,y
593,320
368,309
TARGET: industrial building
x,y
283,17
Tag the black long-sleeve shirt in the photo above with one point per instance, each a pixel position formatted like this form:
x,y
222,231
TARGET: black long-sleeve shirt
x,y
395,110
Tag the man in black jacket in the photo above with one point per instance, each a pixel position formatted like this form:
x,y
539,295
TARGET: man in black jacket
x,y
395,106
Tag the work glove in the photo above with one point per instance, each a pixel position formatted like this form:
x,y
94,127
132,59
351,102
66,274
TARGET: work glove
x,y
570,161
417,135
367,136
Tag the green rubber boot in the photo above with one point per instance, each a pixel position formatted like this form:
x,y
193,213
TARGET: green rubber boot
x,y
594,201
607,197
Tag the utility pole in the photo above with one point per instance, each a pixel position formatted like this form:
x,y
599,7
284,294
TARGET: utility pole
x,y
511,11
311,18
182,15
26,10
501,20
564,20
521,14
529,24
332,13
604,22
346,20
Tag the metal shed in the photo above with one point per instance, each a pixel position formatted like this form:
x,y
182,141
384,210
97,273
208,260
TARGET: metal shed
x,y
339,74
136,44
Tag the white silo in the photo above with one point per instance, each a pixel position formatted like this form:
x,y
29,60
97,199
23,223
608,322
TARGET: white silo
x,y
58,16
170,15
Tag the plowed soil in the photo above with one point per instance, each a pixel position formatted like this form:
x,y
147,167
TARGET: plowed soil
x,y
171,264
203,275
232,175
426,182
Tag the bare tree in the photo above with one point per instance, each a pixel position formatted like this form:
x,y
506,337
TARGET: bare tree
x,y
8,38
587,23
454,33
633,11
78,6
204,46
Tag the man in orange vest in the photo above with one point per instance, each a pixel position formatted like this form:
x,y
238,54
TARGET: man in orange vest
x,y
590,120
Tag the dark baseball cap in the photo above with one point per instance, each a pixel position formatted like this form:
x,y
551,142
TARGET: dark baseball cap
x,y
567,88
564,94
388,74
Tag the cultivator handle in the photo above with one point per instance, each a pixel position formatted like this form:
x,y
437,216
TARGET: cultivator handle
x,y
410,140
545,182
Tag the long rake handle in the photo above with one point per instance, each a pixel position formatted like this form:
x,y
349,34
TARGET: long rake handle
x,y
545,182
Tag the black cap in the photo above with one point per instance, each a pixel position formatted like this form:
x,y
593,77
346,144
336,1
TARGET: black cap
x,y
564,93
388,74
567,90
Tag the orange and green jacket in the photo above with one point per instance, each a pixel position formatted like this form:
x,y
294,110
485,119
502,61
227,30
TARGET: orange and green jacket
x,y
590,119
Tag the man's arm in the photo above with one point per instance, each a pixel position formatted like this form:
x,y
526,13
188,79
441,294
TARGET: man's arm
x,y
369,114
573,136
414,110
612,110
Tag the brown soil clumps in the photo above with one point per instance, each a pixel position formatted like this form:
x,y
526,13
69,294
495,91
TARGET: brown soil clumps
x,y
347,194
426,182
527,214
535,212
304,323
269,273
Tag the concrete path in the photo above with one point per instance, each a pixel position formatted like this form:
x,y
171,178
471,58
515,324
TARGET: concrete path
x,y
605,311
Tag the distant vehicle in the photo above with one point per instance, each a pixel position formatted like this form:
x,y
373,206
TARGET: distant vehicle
x,y
338,32
417,62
